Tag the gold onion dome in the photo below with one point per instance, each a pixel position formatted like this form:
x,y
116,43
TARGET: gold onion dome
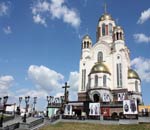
x,y
118,28
100,68
133,74
105,17
87,37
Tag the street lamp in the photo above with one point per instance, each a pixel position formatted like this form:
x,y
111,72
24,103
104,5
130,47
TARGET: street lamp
x,y
34,102
0,100
26,109
48,101
20,99
62,103
18,108
3,111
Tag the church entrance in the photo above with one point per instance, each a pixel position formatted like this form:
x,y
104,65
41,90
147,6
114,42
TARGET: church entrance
x,y
96,97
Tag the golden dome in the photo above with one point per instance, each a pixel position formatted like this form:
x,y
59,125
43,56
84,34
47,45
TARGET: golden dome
x,y
86,37
118,28
105,17
99,68
132,74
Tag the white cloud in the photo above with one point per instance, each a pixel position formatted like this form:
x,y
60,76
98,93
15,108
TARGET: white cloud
x,y
45,78
3,9
32,93
5,84
140,37
50,81
7,30
145,15
42,10
39,19
73,83
59,10
142,66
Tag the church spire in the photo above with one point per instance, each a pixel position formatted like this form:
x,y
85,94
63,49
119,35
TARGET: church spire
x,y
105,8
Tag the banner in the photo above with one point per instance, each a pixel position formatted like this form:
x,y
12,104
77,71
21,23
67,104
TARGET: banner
x,y
121,96
106,97
52,112
130,107
94,109
68,110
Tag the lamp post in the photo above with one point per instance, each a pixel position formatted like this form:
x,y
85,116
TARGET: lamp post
x,y
20,99
62,103
26,109
0,100
3,111
34,102
18,108
48,100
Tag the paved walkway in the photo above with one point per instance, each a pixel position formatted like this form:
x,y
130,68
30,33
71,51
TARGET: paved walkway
x,y
18,119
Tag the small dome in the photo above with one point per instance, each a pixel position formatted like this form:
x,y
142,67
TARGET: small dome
x,y
118,28
133,74
105,17
99,68
87,37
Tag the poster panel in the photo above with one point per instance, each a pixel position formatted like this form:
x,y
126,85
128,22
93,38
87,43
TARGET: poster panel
x,y
50,112
106,97
68,110
94,109
130,107
121,96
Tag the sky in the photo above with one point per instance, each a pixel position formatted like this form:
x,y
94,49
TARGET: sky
x,y
40,43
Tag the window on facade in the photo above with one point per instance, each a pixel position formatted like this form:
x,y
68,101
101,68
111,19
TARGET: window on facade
x,y
84,45
136,86
100,56
103,29
119,75
89,82
117,36
87,44
83,79
96,80
104,80
110,29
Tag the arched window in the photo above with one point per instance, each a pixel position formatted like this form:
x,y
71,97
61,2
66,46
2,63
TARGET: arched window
x,y
87,44
100,56
136,86
117,36
89,81
119,75
84,45
103,29
83,79
96,80
119,71
110,29
104,80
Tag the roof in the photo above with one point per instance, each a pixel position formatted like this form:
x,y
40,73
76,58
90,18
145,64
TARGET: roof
x,y
100,67
105,16
132,74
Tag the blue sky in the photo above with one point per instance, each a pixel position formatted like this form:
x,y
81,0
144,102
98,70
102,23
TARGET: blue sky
x,y
40,42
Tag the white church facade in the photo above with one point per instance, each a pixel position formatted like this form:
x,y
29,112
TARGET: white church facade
x,y
105,73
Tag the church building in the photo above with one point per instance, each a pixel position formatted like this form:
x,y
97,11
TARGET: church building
x,y
105,72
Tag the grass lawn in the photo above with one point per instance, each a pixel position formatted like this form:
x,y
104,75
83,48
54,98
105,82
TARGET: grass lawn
x,y
84,126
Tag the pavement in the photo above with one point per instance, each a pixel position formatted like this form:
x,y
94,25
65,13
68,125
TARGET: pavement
x,y
18,119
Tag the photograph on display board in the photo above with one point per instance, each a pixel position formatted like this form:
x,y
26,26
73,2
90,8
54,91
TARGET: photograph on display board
x,y
121,96
68,110
106,97
130,107
94,109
